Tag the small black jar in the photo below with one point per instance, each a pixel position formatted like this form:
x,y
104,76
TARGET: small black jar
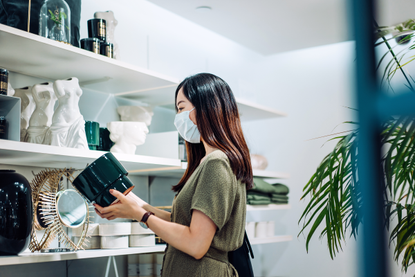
x,y
4,81
16,212
97,28
107,49
91,44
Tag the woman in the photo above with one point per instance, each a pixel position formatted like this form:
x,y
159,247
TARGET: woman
x,y
208,214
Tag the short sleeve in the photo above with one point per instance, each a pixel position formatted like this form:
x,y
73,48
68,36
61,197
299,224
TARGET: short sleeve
x,y
215,191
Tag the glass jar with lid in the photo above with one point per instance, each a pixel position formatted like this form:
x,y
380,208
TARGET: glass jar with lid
x,y
55,21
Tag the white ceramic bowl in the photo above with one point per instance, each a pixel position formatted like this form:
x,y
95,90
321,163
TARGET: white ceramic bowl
x,y
113,242
115,229
142,240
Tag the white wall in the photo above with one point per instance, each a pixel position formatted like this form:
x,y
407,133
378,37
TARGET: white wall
x,y
314,86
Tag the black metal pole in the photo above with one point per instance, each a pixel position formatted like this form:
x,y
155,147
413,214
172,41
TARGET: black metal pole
x,y
373,246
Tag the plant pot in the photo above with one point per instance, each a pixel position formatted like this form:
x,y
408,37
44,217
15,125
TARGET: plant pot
x,y
105,173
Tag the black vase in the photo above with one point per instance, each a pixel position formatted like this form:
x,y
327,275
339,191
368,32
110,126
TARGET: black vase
x,y
16,212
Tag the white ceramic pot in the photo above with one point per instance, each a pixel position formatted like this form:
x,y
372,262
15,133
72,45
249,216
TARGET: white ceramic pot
x,y
136,229
261,229
142,240
270,228
113,242
115,229
93,230
91,243
250,229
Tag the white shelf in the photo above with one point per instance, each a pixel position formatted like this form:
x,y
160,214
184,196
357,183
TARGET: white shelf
x,y
249,111
270,174
38,155
29,258
33,55
269,207
179,171
256,241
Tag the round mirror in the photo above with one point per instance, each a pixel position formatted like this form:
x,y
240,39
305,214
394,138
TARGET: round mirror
x,y
72,208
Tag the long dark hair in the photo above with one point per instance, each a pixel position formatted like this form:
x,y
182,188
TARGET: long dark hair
x,y
219,125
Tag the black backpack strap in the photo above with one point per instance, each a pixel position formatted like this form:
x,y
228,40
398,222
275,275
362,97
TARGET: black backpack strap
x,y
248,244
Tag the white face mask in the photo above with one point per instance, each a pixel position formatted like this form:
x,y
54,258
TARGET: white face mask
x,y
186,128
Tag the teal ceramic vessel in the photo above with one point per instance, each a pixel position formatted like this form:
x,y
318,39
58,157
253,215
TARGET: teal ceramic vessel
x,y
105,173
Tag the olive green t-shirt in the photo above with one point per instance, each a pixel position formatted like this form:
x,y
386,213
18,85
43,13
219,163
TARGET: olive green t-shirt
x,y
214,190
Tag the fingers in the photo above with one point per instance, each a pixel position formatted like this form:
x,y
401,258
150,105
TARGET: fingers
x,y
117,194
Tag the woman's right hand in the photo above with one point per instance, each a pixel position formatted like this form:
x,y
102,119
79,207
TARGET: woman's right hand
x,y
137,199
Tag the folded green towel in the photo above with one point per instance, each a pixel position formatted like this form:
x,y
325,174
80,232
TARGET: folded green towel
x,y
281,189
279,201
258,197
262,186
277,198
259,202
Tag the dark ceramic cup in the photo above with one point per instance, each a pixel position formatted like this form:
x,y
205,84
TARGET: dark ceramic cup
x,y
101,175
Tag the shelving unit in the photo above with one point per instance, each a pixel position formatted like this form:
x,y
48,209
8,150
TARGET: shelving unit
x,y
36,56
269,207
38,155
29,258
256,241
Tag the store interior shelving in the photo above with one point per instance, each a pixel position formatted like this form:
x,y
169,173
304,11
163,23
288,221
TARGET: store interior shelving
x,y
36,56
266,240
27,257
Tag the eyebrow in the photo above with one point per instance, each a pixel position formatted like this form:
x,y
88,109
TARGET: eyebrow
x,y
179,103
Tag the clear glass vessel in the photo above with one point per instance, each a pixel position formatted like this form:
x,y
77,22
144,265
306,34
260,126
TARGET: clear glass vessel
x,y
55,21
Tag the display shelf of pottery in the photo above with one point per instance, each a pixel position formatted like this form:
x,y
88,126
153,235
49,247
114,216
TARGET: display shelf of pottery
x,y
94,71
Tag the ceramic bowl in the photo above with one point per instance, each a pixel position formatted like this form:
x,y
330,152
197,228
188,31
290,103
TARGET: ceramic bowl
x,y
105,173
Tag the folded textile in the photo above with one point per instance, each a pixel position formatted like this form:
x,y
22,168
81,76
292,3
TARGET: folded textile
x,y
259,202
258,197
281,189
279,197
279,201
262,186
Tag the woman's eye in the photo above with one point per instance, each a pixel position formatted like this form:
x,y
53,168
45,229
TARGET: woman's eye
x,y
180,109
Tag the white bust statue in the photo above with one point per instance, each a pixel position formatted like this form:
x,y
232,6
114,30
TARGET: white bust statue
x,y
127,135
28,105
41,119
111,24
10,90
68,124
135,113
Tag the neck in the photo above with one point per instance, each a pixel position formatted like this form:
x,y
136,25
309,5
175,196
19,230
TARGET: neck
x,y
208,149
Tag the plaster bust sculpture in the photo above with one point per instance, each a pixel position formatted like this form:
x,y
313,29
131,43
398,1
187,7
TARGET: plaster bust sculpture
x,y
41,119
10,90
28,105
68,124
127,135
135,113
111,24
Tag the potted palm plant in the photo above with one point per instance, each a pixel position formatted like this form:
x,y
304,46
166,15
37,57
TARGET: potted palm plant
x,y
332,193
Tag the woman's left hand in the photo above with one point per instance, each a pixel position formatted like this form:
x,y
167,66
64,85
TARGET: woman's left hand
x,y
126,207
